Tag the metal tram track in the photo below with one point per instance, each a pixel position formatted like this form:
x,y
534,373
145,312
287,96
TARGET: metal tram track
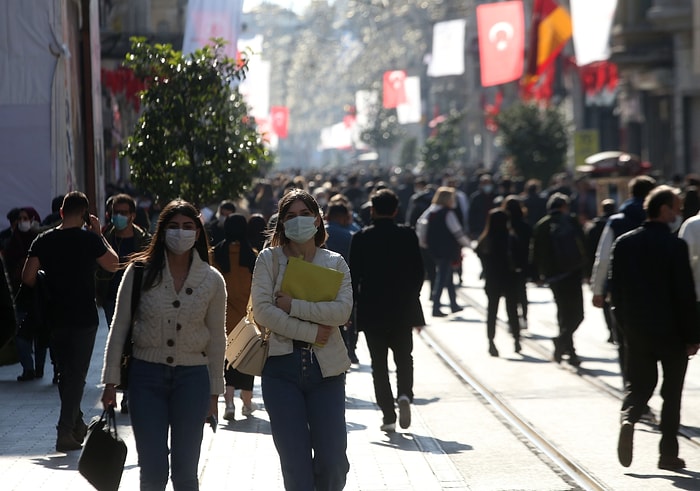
x,y
576,473
558,459
692,435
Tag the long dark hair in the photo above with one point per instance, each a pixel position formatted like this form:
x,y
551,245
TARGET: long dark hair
x,y
278,237
153,257
494,238
235,230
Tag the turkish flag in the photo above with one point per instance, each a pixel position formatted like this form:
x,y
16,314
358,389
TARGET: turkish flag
x,y
280,117
394,89
501,29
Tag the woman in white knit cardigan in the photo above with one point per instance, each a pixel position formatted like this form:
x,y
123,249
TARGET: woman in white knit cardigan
x,y
179,338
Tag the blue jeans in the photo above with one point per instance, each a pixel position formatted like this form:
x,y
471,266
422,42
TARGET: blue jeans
x,y
443,279
307,418
163,398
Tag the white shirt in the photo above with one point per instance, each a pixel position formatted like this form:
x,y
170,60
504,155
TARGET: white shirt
x,y
690,232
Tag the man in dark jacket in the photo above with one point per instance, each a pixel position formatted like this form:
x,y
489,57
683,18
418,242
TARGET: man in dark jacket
x,y
558,255
387,275
653,294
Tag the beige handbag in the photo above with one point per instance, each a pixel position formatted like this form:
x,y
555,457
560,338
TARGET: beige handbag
x,y
247,344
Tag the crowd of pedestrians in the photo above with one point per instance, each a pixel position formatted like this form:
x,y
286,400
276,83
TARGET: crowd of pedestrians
x,y
387,234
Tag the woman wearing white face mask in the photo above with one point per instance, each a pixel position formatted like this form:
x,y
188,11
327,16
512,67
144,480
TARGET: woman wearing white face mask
x,y
179,337
303,382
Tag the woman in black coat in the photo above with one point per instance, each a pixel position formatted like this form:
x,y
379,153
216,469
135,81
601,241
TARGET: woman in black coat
x,y
496,249
523,231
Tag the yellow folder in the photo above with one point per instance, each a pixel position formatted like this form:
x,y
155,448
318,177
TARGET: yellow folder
x,y
307,281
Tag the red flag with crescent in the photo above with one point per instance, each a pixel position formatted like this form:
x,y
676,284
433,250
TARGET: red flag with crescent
x,y
501,28
394,88
279,116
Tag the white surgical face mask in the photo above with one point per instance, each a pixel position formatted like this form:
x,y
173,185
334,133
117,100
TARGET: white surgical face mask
x,y
300,229
179,241
24,225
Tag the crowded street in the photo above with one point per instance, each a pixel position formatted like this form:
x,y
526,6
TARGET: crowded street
x,y
517,421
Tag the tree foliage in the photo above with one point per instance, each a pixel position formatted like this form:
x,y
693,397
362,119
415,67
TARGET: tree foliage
x,y
194,138
535,138
443,147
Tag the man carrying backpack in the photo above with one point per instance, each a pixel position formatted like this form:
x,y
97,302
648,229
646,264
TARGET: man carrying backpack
x,y
559,256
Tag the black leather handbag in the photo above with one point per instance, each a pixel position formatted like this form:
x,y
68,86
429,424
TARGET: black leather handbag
x,y
102,459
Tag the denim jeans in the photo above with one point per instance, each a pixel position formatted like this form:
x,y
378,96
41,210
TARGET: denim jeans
x,y
307,418
73,349
443,279
163,398
400,340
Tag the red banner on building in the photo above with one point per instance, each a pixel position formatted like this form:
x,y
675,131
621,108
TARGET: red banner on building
x,y
501,28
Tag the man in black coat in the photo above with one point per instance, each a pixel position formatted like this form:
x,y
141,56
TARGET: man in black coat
x,y
653,295
387,275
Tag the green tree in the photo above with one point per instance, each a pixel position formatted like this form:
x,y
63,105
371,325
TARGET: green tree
x,y
442,148
194,138
535,138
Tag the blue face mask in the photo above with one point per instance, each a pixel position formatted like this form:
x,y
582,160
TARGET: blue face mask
x,y
300,229
120,222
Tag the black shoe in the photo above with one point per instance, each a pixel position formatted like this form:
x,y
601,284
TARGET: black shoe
x,y
26,376
558,351
493,351
625,444
574,360
79,431
671,463
439,313
457,308
66,443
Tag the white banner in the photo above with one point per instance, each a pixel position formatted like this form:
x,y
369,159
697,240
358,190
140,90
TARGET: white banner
x,y
592,22
448,48
207,19
255,89
366,102
411,110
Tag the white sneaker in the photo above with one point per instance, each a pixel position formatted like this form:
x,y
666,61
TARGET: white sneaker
x,y
229,414
248,410
404,411
388,427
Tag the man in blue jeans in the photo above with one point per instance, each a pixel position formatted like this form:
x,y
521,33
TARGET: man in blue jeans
x,y
69,254
387,275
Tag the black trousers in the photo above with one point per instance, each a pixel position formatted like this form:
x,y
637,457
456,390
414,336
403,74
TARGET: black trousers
x,y
641,358
379,341
568,297
73,350
494,292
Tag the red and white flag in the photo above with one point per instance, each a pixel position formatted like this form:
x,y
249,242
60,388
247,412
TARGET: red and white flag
x,y
394,88
501,28
279,116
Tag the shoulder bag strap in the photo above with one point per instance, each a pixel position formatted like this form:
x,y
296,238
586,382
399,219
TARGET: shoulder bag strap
x,y
135,298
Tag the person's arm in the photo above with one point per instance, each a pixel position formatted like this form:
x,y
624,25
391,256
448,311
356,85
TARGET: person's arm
x,y
31,268
456,229
215,321
601,265
121,323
